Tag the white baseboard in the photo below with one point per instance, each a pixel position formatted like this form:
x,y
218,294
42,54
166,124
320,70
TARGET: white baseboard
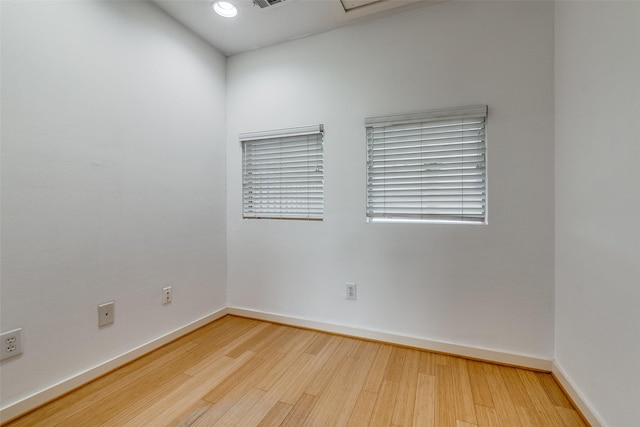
x,y
421,343
438,346
13,410
29,403
576,396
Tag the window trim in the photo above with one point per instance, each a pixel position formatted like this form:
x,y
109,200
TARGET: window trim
x,y
381,122
277,210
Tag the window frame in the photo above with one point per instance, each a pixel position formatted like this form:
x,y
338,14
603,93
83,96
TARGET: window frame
x,y
404,191
276,181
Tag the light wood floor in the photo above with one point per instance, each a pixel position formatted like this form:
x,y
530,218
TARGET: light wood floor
x,y
242,372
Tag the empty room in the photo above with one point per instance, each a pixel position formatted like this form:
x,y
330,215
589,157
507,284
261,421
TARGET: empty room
x,y
320,212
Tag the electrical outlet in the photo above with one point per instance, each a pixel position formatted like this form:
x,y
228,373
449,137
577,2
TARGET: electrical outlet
x,y
11,343
167,295
106,313
352,291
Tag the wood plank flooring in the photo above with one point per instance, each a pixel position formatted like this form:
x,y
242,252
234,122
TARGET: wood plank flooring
x,y
243,372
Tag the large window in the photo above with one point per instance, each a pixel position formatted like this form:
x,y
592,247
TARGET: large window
x,y
427,166
282,173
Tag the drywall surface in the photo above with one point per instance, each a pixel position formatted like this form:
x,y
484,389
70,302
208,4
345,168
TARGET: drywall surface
x,y
597,333
488,286
113,183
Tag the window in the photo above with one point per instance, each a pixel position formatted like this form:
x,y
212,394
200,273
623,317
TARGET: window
x,y
427,166
282,174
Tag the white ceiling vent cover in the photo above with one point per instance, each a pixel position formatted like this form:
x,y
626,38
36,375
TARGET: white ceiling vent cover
x,y
266,3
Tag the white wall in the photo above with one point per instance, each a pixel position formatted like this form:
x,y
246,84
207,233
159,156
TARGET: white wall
x,y
485,286
113,182
597,338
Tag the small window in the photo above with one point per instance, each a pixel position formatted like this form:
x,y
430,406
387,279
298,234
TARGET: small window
x,y
427,166
282,174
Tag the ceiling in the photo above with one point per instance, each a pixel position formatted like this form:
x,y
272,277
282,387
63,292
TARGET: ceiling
x,y
255,27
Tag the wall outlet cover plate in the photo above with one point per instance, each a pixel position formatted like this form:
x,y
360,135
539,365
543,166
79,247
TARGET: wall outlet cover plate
x,y
11,343
106,313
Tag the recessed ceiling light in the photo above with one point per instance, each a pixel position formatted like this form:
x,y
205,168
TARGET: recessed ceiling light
x,y
225,9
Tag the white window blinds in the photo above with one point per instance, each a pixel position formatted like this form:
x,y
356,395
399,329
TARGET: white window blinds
x,y
427,166
282,173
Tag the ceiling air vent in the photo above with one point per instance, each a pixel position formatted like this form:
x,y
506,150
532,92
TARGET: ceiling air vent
x,y
266,3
